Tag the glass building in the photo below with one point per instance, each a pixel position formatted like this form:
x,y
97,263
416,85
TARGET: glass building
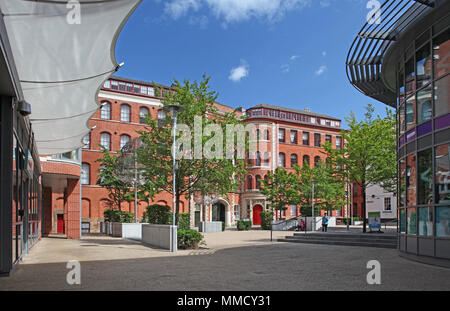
x,y
402,58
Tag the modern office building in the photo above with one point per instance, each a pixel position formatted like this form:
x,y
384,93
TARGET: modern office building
x,y
47,95
403,60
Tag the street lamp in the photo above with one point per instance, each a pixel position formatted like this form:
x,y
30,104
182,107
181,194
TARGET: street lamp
x,y
174,110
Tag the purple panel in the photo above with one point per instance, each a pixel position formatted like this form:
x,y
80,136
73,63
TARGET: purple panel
x,y
424,129
411,135
401,141
442,122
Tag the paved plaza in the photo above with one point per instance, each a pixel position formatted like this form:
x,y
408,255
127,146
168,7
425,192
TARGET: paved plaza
x,y
231,260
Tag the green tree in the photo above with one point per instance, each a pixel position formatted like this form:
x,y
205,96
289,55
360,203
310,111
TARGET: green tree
x,y
212,174
108,177
368,153
329,189
281,189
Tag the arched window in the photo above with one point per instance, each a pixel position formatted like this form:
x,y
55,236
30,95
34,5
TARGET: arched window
x,y
161,118
85,174
258,182
294,159
87,141
258,158
249,182
125,113
105,140
306,160
124,139
249,160
266,158
317,160
105,111
143,113
281,160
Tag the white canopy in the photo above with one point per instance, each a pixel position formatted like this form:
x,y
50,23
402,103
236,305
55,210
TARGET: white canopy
x,y
62,64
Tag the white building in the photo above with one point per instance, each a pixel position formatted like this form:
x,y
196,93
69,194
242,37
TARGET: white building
x,y
379,200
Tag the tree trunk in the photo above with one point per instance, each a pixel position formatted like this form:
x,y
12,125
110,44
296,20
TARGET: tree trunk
x,y
363,190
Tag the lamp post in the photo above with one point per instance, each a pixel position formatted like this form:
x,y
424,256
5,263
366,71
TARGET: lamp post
x,y
174,110
313,222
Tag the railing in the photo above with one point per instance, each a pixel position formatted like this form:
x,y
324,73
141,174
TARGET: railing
x,y
293,221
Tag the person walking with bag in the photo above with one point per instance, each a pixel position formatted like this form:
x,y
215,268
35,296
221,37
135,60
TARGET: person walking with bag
x,y
325,222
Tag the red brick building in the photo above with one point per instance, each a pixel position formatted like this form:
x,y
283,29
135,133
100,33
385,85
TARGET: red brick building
x,y
291,137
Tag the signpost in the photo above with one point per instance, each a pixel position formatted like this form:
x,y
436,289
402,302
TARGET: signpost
x,y
375,221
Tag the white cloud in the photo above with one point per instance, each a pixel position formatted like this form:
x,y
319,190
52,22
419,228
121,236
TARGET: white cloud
x,y
294,57
285,68
325,3
178,8
321,70
324,53
232,11
238,73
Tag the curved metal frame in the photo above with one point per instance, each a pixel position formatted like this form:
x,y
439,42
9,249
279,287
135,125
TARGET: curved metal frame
x,y
366,54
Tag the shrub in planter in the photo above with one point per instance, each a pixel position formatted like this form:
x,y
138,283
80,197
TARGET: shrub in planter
x,y
183,220
223,225
111,215
157,214
189,239
266,220
244,225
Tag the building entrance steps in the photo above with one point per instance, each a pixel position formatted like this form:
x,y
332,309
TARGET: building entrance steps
x,y
348,239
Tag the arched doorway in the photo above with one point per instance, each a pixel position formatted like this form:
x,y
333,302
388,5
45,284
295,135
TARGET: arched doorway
x,y
257,209
218,212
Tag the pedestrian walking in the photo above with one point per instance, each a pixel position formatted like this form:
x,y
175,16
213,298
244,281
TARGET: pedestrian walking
x,y
325,222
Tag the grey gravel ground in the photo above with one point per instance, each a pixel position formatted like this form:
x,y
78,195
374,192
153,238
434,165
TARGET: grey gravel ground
x,y
255,264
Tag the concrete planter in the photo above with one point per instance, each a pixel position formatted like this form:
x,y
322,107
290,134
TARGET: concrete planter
x,y
159,235
127,230
210,226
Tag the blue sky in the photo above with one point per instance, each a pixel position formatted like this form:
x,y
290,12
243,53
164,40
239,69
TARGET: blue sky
x,y
281,52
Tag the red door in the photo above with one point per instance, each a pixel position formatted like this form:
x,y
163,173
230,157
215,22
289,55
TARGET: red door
x,y
60,224
257,209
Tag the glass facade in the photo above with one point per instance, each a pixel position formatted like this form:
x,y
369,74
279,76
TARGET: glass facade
x,y
24,181
423,121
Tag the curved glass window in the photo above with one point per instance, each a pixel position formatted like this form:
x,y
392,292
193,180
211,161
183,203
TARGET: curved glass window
x,y
411,178
424,105
441,54
426,221
425,177
410,113
424,67
442,174
442,96
411,221
443,221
